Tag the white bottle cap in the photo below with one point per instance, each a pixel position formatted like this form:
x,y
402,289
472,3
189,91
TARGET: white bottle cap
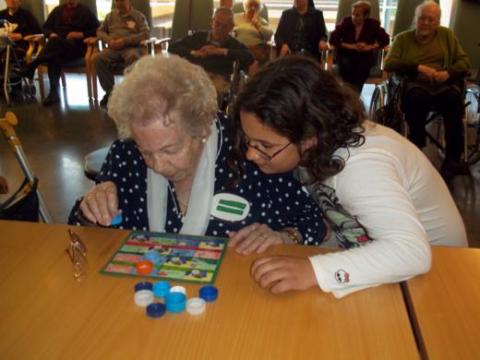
x,y
144,298
195,306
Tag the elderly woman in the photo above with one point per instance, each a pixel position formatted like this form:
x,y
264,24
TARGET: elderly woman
x,y
373,185
252,30
434,66
301,30
357,39
168,172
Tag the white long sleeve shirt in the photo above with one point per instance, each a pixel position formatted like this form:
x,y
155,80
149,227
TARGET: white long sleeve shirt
x,y
400,198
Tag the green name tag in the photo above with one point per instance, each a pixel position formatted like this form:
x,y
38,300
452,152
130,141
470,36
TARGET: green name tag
x,y
230,207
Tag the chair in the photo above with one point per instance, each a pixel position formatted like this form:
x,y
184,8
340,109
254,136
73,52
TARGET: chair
x,y
387,97
79,66
93,162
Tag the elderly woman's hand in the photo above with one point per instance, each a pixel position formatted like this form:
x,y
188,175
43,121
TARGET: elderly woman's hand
x,y
279,274
284,50
426,70
256,238
100,204
441,76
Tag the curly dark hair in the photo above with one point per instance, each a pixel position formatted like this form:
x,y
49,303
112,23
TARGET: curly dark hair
x,y
297,99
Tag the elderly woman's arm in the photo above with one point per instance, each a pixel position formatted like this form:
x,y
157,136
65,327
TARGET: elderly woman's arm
x,y
120,186
290,216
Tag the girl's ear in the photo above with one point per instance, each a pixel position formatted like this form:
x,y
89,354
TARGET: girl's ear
x,y
308,143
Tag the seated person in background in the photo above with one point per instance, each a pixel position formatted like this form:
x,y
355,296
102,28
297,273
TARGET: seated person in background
x,y
434,66
65,28
357,39
216,50
169,170
239,8
301,30
25,22
253,31
374,186
122,31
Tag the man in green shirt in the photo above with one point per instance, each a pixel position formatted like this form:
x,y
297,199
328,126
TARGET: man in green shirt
x,y
434,65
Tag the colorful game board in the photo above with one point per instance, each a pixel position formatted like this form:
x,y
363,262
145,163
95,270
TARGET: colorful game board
x,y
174,256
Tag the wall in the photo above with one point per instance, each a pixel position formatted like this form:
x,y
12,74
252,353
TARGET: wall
x,y
464,22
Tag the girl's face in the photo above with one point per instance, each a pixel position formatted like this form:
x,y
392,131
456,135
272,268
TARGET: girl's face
x,y
271,152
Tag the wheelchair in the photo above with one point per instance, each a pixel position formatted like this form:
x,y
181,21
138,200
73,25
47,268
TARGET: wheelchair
x,y
385,108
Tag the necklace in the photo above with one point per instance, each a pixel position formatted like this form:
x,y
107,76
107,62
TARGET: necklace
x,y
174,199
179,205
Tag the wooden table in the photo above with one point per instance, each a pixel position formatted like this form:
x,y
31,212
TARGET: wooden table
x,y
46,314
446,304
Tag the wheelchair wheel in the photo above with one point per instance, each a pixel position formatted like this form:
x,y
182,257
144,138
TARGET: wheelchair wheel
x,y
472,118
377,102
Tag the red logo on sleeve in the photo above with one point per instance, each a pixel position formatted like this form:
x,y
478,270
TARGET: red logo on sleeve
x,y
342,276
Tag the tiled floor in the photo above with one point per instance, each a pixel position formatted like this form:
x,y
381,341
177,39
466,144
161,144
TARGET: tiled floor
x,y
56,139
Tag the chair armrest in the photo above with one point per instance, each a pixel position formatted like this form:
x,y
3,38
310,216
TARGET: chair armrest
x,y
160,45
34,38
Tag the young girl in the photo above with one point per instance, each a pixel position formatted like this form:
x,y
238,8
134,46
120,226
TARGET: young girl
x,y
384,199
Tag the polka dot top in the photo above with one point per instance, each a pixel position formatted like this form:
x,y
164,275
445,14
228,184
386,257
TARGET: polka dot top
x,y
278,201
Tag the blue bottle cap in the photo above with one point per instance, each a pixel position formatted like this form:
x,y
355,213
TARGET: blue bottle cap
x,y
144,285
208,293
175,302
154,256
117,219
161,288
155,310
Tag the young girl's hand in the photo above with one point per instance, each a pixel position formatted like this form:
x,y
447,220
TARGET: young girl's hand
x,y
279,274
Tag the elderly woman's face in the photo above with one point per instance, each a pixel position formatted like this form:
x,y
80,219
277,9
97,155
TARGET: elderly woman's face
x,y
252,7
168,150
358,16
427,22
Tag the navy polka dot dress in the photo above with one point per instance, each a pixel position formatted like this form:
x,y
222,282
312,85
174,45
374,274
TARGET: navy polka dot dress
x,y
278,201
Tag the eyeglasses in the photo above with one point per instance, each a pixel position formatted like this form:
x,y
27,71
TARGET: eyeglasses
x,y
262,153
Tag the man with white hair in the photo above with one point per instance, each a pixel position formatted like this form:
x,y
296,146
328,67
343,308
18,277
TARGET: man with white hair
x,y
434,66
215,50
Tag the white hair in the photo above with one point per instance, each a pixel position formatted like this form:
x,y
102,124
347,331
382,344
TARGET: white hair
x,y
245,3
166,89
426,4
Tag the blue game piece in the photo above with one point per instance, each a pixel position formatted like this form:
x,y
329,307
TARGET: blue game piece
x,y
208,293
161,288
117,219
175,302
154,256
155,310
143,285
